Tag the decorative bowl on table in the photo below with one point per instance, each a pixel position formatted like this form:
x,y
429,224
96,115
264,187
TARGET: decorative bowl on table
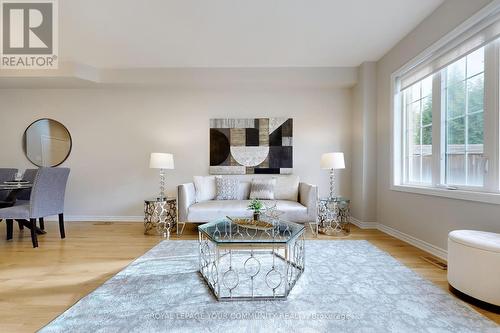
x,y
250,223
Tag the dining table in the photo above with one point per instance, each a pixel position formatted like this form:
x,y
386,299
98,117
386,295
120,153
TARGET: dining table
x,y
11,199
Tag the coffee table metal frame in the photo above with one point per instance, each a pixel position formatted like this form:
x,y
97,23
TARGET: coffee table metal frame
x,y
279,253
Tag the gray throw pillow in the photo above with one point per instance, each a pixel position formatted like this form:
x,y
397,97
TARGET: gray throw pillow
x,y
263,189
227,188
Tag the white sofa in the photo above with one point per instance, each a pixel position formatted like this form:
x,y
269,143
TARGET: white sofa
x,y
296,199
474,264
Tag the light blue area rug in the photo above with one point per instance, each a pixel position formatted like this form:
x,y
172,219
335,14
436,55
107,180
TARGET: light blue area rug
x,y
347,286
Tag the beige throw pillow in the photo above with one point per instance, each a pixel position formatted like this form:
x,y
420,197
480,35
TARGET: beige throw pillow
x,y
263,189
205,188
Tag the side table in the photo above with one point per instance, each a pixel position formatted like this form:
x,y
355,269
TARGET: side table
x,y
334,216
161,216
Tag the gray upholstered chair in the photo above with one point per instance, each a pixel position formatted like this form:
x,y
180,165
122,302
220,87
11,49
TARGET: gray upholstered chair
x,y
6,174
23,196
47,199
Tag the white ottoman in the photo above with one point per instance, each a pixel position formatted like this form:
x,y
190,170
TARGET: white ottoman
x,y
474,264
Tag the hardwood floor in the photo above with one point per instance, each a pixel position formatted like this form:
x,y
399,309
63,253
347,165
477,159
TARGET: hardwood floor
x,y
36,285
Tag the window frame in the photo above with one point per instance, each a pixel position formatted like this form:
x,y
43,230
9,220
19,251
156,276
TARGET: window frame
x,y
405,144
487,140
490,192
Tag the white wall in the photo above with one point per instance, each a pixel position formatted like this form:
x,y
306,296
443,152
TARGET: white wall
x,y
115,129
426,218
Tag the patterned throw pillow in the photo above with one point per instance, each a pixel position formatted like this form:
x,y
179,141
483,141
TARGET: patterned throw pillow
x,y
263,189
227,188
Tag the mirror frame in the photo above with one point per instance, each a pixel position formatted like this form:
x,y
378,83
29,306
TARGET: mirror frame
x,y
70,142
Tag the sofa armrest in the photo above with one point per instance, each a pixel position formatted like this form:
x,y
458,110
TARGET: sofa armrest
x,y
186,196
308,197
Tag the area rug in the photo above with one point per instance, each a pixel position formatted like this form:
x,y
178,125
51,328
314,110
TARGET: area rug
x,y
347,286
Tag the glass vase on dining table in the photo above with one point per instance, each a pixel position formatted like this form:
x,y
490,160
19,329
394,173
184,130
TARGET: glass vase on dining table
x,y
18,177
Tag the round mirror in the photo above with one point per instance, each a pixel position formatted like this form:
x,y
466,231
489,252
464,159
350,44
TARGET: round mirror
x,y
47,143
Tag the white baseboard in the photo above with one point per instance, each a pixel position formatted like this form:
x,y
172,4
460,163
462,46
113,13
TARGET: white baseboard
x,y
423,245
363,224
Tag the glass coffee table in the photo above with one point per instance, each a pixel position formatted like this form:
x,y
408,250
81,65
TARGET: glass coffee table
x,y
261,261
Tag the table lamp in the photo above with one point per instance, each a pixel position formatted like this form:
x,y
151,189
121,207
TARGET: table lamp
x,y
161,161
332,161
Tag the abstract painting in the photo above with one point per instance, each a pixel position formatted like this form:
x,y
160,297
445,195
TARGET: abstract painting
x,y
251,146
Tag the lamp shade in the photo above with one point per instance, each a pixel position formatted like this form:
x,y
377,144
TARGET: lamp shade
x,y
161,161
332,161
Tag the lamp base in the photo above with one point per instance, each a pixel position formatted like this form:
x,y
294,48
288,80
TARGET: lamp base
x,y
332,184
161,196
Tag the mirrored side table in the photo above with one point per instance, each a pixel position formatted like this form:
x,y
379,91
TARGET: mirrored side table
x,y
334,216
160,216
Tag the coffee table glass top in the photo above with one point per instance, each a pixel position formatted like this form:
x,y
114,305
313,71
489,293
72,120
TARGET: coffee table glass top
x,y
226,231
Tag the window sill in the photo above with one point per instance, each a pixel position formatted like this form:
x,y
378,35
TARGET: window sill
x,y
486,197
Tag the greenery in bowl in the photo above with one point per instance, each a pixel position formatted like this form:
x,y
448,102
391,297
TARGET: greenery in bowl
x,y
256,205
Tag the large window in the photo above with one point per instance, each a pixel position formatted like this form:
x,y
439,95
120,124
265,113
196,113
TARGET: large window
x,y
464,104
446,117
418,134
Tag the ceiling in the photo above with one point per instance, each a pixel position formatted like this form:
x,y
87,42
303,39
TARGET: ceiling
x,y
234,33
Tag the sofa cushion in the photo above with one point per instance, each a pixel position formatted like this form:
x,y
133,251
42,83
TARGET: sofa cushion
x,y
227,188
244,190
205,188
263,189
211,210
287,188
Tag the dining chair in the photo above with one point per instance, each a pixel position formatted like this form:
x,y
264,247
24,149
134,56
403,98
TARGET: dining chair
x,y
6,174
47,199
23,196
